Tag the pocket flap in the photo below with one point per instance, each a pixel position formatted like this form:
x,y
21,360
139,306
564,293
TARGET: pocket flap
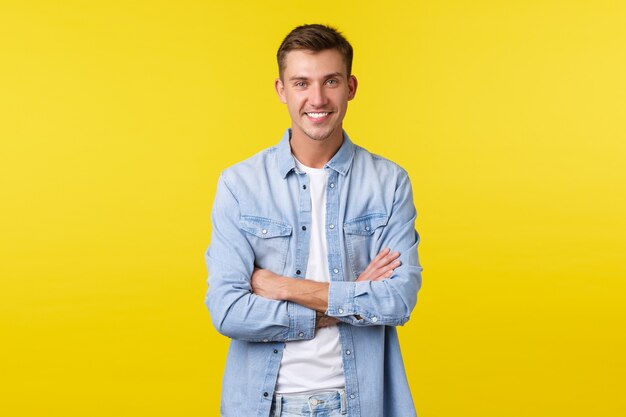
x,y
263,227
365,225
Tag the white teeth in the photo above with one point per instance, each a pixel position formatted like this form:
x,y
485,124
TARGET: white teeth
x,y
317,115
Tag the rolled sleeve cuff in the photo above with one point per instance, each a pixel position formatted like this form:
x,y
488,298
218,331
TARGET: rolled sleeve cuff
x,y
301,322
341,299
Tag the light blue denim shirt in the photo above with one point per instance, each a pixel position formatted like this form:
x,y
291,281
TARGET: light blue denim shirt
x,y
260,208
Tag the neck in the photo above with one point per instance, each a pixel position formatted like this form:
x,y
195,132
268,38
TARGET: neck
x,y
315,153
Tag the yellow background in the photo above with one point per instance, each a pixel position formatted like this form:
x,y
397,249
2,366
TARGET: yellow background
x,y
117,117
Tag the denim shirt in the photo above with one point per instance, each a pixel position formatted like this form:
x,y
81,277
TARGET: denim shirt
x,y
261,207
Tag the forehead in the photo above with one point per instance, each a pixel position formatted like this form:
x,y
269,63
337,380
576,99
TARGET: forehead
x,y
302,63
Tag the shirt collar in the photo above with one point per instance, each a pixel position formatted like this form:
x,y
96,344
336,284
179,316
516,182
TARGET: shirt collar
x,y
340,162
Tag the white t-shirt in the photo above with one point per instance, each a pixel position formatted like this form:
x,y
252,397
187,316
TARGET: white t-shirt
x,y
315,364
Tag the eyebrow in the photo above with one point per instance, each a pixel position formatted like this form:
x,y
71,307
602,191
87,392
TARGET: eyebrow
x,y
300,78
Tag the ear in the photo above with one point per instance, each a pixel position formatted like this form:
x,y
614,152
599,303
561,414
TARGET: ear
x,y
352,85
280,90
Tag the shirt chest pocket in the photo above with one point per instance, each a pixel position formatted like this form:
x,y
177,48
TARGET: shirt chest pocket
x,y
360,235
269,240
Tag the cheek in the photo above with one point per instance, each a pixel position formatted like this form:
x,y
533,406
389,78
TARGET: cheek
x,y
293,108
341,98
295,103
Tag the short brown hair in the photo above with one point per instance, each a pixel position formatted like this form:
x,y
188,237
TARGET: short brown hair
x,y
314,38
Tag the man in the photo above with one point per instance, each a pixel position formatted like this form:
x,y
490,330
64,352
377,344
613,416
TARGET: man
x,y
301,274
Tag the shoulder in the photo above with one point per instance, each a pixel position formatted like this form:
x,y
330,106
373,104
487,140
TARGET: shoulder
x,y
366,162
251,167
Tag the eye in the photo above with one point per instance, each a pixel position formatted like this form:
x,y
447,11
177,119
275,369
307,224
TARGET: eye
x,y
299,84
332,81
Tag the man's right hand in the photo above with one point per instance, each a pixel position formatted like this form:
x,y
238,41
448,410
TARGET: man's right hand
x,y
381,267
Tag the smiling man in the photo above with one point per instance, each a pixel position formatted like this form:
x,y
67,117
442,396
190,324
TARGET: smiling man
x,y
313,257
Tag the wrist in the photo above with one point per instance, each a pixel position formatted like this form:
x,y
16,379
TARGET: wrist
x,y
285,288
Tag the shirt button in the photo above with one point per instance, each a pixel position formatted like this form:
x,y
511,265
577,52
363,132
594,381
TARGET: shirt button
x,y
298,272
265,394
352,396
314,401
265,340
301,334
367,228
336,271
304,187
332,185
374,319
348,352
303,227
264,231
340,311
332,226
275,350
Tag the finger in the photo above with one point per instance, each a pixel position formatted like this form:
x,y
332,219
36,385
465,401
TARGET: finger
x,y
367,272
365,275
387,271
384,276
377,263
381,255
379,271
386,260
382,269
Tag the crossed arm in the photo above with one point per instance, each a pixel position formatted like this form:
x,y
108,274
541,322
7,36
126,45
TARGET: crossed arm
x,y
257,305
314,294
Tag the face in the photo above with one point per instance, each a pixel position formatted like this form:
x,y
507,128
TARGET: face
x,y
316,88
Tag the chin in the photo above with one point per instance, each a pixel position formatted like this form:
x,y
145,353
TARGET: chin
x,y
320,136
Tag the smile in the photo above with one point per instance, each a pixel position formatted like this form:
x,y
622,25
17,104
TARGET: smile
x,y
317,115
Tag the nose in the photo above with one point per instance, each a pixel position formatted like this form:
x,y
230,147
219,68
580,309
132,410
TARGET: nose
x,y
318,98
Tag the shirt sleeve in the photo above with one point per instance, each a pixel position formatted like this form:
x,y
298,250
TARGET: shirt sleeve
x,y
235,311
389,301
